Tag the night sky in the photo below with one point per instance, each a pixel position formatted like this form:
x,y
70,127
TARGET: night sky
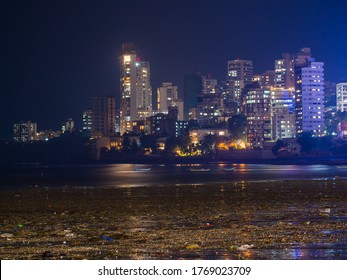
x,y
55,55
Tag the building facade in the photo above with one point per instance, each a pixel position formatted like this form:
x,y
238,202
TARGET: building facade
x,y
285,67
341,97
87,120
209,85
240,74
258,112
104,116
282,113
309,97
209,109
25,131
135,88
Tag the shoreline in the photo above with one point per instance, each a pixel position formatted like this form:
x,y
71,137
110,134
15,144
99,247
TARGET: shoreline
x,y
296,219
194,160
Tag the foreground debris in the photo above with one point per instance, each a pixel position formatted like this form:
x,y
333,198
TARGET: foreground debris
x,y
288,220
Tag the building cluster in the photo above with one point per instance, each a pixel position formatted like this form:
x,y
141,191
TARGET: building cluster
x,y
280,103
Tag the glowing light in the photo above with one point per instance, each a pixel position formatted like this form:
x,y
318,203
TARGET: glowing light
x,y
126,58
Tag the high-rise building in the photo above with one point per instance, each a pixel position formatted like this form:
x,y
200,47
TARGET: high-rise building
x,y
309,97
104,116
240,74
209,85
87,120
209,109
267,79
329,94
284,71
167,96
192,89
135,88
25,131
258,112
143,106
341,97
285,67
282,113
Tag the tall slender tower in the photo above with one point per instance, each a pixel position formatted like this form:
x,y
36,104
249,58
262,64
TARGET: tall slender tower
x,y
309,97
135,88
240,74
341,97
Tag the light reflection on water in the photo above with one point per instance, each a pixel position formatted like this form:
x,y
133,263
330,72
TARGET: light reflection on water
x,y
205,173
146,174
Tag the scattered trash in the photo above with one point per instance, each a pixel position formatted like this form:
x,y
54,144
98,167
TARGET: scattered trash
x,y
192,247
6,235
245,247
325,210
234,247
308,222
208,225
69,234
106,238
20,225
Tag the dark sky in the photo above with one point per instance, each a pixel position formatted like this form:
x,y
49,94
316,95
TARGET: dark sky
x,y
55,55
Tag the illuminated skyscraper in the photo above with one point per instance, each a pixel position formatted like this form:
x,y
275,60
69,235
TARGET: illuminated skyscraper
x,y
282,113
285,67
135,88
309,97
240,74
341,97
258,112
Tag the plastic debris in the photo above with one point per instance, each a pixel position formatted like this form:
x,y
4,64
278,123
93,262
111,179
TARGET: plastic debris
x,y
325,211
208,225
245,247
106,238
20,225
233,247
6,235
192,246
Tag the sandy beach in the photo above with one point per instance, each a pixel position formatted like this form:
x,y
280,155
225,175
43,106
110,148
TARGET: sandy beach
x,y
295,219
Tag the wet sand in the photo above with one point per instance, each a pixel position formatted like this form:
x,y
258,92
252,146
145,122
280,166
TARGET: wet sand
x,y
243,220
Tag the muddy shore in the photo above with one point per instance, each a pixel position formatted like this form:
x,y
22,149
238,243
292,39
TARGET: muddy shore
x,y
241,220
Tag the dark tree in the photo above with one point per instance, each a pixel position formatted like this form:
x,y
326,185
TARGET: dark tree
x,y
134,146
307,141
278,145
126,143
209,142
237,125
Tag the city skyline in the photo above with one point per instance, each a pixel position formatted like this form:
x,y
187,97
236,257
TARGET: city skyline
x,y
54,64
